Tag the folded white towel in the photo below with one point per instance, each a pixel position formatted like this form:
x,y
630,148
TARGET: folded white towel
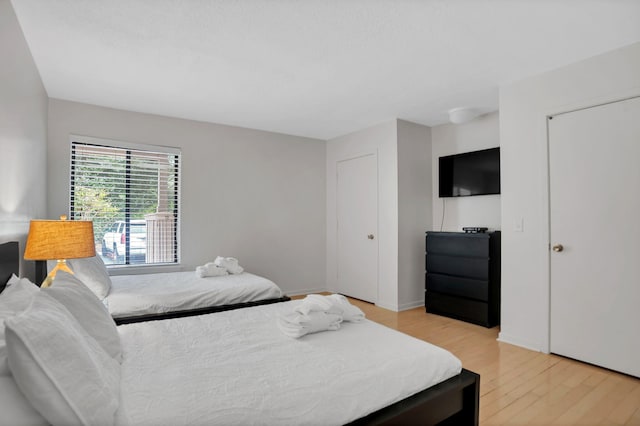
x,y
210,270
230,264
350,312
333,304
297,325
318,303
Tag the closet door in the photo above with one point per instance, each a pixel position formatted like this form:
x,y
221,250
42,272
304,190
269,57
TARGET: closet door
x,y
594,172
357,240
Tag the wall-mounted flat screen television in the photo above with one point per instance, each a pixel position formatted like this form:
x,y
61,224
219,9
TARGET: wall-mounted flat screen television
x,y
470,173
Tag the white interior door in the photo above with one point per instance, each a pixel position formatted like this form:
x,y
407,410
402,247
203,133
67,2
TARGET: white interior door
x,y
594,166
357,240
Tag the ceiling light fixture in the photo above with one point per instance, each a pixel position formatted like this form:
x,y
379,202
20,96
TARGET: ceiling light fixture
x,y
462,115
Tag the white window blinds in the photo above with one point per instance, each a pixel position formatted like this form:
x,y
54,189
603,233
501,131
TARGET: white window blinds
x,y
132,197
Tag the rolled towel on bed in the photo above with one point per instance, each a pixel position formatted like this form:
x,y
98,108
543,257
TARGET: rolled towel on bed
x,y
333,304
296,325
318,303
350,312
210,270
230,264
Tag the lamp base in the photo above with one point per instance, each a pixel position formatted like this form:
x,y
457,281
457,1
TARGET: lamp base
x,y
60,266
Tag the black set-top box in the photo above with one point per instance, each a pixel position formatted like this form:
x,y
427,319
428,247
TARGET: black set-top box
x,y
474,229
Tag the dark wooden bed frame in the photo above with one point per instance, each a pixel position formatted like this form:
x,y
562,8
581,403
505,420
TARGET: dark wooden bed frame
x,y
196,311
455,401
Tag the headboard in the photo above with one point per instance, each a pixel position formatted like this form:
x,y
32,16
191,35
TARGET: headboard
x,y
9,262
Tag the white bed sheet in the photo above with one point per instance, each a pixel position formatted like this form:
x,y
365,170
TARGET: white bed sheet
x,y
132,295
236,367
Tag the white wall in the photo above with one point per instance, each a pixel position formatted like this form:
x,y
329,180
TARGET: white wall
x,y
382,141
414,210
23,136
524,107
245,193
447,139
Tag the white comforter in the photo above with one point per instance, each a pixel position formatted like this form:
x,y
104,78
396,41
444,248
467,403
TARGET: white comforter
x,y
236,367
173,291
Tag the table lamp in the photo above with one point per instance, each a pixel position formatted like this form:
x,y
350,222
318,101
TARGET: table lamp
x,y
61,240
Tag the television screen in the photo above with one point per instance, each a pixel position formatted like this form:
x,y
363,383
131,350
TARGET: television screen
x,y
470,173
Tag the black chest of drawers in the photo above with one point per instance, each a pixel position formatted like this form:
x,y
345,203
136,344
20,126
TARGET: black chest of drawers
x,y
462,277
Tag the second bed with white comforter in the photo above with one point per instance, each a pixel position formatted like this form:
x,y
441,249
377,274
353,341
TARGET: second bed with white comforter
x,y
133,295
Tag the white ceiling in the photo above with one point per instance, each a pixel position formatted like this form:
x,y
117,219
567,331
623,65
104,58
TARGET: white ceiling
x,y
317,68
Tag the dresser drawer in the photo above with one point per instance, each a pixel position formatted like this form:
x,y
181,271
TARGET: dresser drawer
x,y
466,267
459,308
470,245
456,286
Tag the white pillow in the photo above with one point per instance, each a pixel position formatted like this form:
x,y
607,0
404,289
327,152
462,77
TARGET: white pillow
x,y
22,281
64,373
90,312
92,272
14,300
15,408
12,280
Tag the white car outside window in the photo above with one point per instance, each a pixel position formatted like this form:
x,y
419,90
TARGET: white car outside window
x,y
115,240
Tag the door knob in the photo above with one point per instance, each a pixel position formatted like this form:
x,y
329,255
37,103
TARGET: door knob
x,y
370,236
557,248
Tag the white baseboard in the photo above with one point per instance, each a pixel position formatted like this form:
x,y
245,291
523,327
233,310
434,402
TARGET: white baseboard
x,y
523,343
401,307
411,305
389,307
304,292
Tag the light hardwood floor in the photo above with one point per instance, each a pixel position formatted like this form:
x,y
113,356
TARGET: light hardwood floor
x,y
519,386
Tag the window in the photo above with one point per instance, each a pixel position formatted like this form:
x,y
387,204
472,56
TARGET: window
x,y
131,194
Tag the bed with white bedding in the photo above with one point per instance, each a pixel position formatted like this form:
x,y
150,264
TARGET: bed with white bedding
x,y
239,369
147,297
63,361
135,298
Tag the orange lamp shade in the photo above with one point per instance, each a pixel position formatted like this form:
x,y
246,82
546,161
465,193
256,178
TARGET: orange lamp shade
x,y
60,239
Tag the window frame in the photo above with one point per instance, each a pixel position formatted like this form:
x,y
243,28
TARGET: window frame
x,y
120,269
